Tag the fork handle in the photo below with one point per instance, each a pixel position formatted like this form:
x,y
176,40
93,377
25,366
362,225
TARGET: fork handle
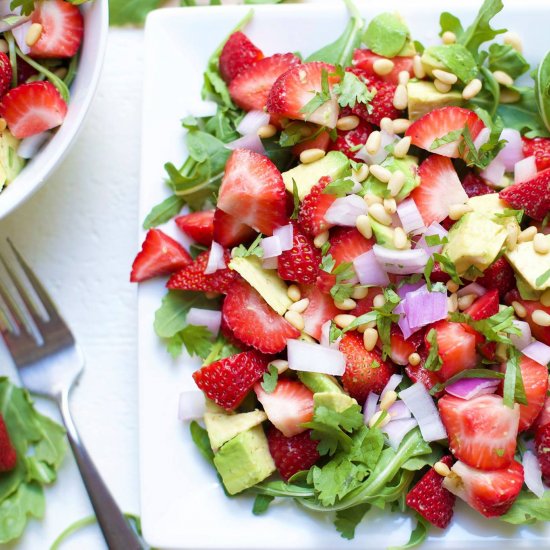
x,y
116,530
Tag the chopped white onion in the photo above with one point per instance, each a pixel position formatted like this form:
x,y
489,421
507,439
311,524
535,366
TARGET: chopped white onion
x,y
433,229
252,122
393,382
537,351
271,247
421,405
378,157
494,172
522,340
192,405
325,336
369,271
370,406
512,152
12,22
472,288
345,210
215,259
401,262
252,142
209,318
30,146
410,217
309,357
286,236
20,33
396,430
525,170
271,263
399,410
533,474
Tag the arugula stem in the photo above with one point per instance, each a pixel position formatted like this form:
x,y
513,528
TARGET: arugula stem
x,y
281,489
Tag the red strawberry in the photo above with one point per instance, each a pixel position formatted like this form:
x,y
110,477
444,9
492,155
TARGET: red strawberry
x,y
321,141
364,305
62,29
8,455
544,416
542,448
400,348
430,499
238,53
160,255
365,370
227,381
438,123
490,493
229,231
439,189
538,148
33,108
539,332
311,217
456,347
192,276
349,141
321,309
294,89
253,191
420,374
438,275
198,225
24,71
301,262
533,195
5,73
364,60
292,454
482,431
500,276
250,88
288,407
253,321
474,186
485,306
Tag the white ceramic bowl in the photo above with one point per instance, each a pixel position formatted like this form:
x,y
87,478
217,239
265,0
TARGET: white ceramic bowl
x,y
37,170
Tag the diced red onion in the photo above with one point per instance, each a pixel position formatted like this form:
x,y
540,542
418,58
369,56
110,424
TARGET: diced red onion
x,y
401,262
402,291
410,217
271,247
532,474
537,351
285,234
345,210
19,33
399,410
11,22
309,357
271,263
434,229
482,138
512,152
192,405
252,122
494,172
209,318
525,170
252,142
468,388
396,430
522,340
423,307
393,382
370,406
472,288
421,405
325,336
215,259
378,157
5,8
30,146
403,323
369,271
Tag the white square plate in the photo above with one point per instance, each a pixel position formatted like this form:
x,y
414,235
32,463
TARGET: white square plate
x,y
182,504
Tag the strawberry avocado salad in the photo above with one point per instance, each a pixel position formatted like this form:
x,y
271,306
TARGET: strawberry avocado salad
x,y
368,284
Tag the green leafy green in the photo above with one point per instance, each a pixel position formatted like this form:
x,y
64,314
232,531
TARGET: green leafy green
x,y
448,267
346,521
496,328
163,212
386,34
342,288
384,319
339,187
351,90
433,361
197,340
319,98
200,438
503,57
457,59
542,89
253,250
528,508
541,279
220,349
450,23
418,536
514,390
124,12
261,504
271,376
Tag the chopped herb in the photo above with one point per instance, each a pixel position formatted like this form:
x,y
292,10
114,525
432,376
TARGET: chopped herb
x,y
511,213
428,271
495,328
296,199
499,452
514,390
541,279
320,98
261,504
253,250
433,361
339,187
342,289
327,263
435,240
271,376
351,90
197,340
325,248
448,267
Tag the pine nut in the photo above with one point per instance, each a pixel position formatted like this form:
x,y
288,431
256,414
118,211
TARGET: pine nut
x,y
456,211
363,226
441,87
379,300
311,155
401,97
362,328
347,123
370,337
418,68
33,34
512,237
472,89
545,298
527,234
293,292
464,302
400,240
541,318
452,303
360,292
414,359
448,37
503,78
373,142
509,96
390,206
442,469
401,125
452,286
321,239
383,66
300,306
370,324
346,305
396,183
541,243
295,319
267,131
378,212
362,174
445,76
390,397
4,48
403,77
280,364
386,124
521,312
344,319
3,124
371,198
513,39
402,147
380,173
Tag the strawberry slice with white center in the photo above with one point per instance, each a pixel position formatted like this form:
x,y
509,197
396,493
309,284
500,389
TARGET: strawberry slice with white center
x,y
294,89
321,309
288,406
482,431
33,108
199,226
229,231
365,59
439,189
438,124
62,29
253,191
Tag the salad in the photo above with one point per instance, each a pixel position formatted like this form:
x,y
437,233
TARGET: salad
x,y
39,44
368,286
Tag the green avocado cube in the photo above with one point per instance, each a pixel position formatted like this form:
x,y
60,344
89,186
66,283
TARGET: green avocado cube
x,y
338,402
10,162
408,165
222,427
424,97
530,264
318,382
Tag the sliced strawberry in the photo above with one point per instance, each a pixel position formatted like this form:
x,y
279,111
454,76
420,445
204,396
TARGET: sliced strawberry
x,y
538,148
482,431
365,370
350,141
192,277
320,141
438,123
5,73
490,493
364,305
229,231
288,407
301,263
294,89
533,195
311,217
237,54
8,455
227,381
32,108
321,309
419,374
439,189
542,448
430,499
253,321
400,348
438,275
539,332
250,88
475,186
253,191
364,60
500,276
292,454
160,255
485,306
544,416
199,226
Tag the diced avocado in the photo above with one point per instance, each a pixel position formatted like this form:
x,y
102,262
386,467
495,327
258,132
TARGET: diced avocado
x,y
431,62
474,241
384,234
10,162
525,290
318,382
408,165
244,460
489,204
272,288
338,402
334,164
424,97
222,427
211,407
408,50
530,264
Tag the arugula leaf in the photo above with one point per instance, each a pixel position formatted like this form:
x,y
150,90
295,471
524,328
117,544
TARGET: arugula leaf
x,y
433,361
200,438
514,390
449,22
196,339
220,349
418,535
261,504
121,12
528,508
541,279
503,57
457,59
253,250
386,34
542,89
271,376
346,521
351,90
163,212
495,328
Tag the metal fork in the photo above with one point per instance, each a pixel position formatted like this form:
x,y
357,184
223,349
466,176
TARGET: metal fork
x,y
49,363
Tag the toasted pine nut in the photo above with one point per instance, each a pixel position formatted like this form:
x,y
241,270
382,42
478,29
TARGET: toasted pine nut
x,y
383,66
403,77
445,76
401,97
452,286
402,147
373,142
503,78
300,306
311,155
293,292
371,198
541,243
464,302
418,68
512,237
513,39
396,183
519,309
472,88
414,359
266,131
344,319
390,397
376,417
360,292
362,328
370,337
448,37
456,211
509,96
386,124
33,34
280,364
441,86
545,298
321,239
442,469
390,206
380,173
400,240
4,48
363,226
541,318
452,303
347,123
527,234
379,300
295,319
362,174
378,212
401,125
346,305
